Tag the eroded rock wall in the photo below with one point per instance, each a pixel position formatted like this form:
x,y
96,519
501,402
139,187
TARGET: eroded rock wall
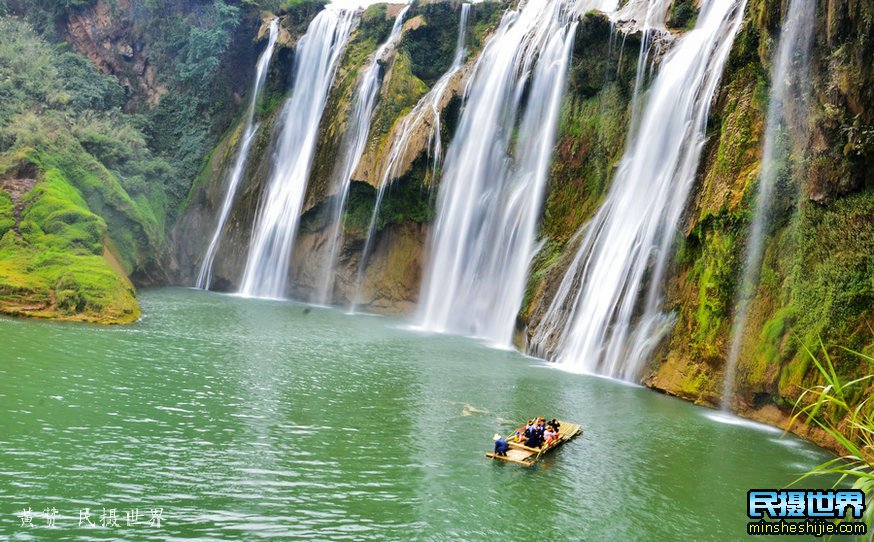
x,y
815,282
390,282
817,268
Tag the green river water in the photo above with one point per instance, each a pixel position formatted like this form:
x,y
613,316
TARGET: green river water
x,y
247,420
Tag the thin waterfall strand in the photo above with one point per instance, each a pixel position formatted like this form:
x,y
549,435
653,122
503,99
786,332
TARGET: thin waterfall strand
x,y
427,111
654,22
792,54
204,278
355,141
435,141
604,319
318,56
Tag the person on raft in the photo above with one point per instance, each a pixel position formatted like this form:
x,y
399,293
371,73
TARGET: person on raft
x,y
535,434
501,445
550,435
523,433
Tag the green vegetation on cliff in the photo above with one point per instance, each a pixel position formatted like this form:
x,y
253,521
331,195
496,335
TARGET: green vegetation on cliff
x,y
122,148
590,141
828,292
61,130
405,201
815,280
57,263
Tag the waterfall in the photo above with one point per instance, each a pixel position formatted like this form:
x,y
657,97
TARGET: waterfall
x,y
617,272
653,14
317,59
491,191
355,139
792,54
431,101
642,15
425,114
205,276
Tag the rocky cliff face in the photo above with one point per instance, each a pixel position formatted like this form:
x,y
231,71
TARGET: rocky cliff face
x,y
392,274
107,34
815,281
129,41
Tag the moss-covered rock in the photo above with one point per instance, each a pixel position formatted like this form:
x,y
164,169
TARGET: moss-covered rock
x,y
373,28
591,137
58,263
815,277
430,43
682,15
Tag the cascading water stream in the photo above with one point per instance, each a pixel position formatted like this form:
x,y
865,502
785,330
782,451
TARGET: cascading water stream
x,y
491,192
432,100
604,318
355,140
205,276
318,56
653,13
793,53
427,111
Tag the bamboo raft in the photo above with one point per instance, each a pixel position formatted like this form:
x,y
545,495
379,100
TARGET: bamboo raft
x,y
526,456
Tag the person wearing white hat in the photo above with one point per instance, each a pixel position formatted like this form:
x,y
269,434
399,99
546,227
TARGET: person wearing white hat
x,y
501,445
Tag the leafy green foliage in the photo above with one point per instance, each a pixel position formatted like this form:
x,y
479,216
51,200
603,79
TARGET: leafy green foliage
x,y
86,87
207,43
431,46
180,143
485,18
835,407
7,220
45,14
298,7
831,277
405,200
28,75
683,14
